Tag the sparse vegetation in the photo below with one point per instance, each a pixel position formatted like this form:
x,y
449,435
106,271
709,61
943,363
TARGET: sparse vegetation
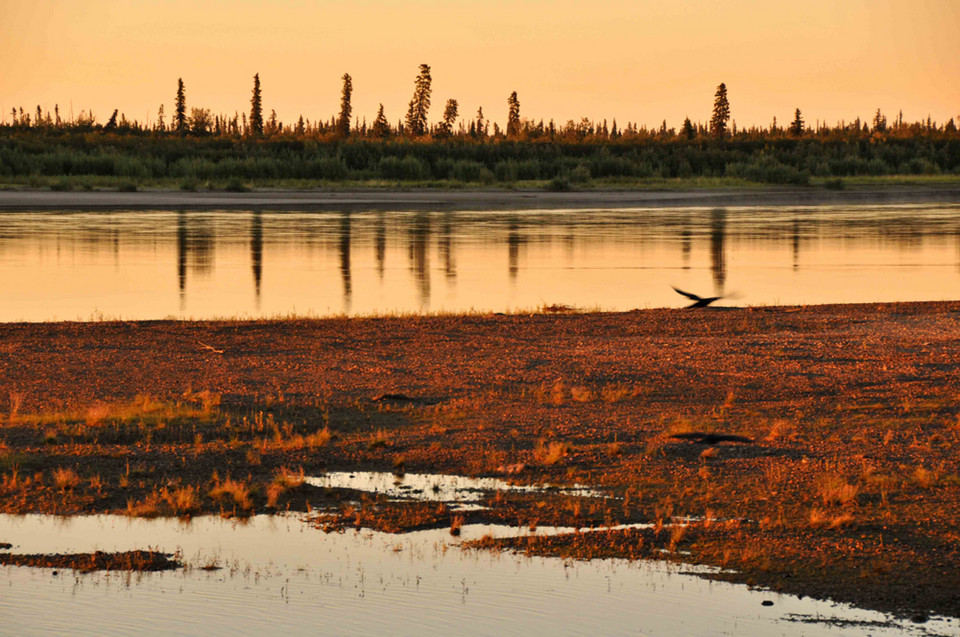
x,y
836,482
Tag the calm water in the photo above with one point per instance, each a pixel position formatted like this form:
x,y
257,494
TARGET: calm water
x,y
279,575
139,265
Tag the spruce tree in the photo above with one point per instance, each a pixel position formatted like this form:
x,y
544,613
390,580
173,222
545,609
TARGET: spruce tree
x,y
879,122
688,130
450,113
181,109
796,127
513,115
416,119
481,125
343,122
721,112
381,127
256,108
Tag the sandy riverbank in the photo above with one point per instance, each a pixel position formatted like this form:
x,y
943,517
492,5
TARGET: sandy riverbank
x,y
374,199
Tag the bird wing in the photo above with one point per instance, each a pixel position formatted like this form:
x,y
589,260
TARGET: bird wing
x,y
690,296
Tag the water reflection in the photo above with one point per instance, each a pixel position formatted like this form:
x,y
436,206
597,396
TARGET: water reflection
x,y
419,256
74,265
277,575
514,242
343,249
256,253
718,255
182,257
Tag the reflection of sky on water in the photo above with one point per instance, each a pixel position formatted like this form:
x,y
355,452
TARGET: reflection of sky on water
x,y
243,263
281,576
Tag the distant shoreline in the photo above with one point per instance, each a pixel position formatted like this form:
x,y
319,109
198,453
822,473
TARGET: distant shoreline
x,y
429,199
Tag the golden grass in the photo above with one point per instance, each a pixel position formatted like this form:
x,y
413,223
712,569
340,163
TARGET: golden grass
x,y
65,479
232,492
149,507
833,489
183,501
550,453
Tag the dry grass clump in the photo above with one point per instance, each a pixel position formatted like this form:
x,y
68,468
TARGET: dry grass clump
x,y
581,394
820,518
550,453
65,479
149,507
677,535
923,478
288,478
379,440
782,430
834,489
16,401
232,490
616,393
319,438
183,501
208,400
284,480
614,448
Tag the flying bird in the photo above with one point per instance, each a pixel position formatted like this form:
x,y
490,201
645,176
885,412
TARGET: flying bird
x,y
702,438
698,301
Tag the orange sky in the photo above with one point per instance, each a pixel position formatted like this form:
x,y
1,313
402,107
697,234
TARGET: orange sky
x,y
632,60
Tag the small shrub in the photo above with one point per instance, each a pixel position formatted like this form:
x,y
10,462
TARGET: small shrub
x,y
834,489
182,501
236,185
550,453
148,508
65,479
229,490
559,184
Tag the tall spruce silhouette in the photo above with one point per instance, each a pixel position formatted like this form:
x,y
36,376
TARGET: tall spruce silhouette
x,y
796,127
688,130
180,111
513,115
343,122
450,113
256,108
416,119
381,127
721,112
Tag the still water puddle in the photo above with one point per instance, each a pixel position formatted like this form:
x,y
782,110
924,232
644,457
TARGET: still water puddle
x,y
199,264
277,574
460,492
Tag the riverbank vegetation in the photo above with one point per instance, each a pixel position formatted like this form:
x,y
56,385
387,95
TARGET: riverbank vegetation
x,y
197,149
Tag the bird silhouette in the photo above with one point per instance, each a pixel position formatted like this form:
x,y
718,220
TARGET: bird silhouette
x,y
702,438
698,301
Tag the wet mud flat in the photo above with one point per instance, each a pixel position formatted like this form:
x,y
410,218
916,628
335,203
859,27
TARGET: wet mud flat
x,y
847,485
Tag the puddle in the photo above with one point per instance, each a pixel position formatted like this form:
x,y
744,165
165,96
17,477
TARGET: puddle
x,y
278,574
459,492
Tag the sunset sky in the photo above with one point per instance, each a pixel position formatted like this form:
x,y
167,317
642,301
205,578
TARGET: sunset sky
x,y
632,60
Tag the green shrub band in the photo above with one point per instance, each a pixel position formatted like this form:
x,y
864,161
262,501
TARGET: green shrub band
x,y
192,161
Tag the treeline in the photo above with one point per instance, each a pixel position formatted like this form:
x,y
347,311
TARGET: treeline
x,y
197,146
774,160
